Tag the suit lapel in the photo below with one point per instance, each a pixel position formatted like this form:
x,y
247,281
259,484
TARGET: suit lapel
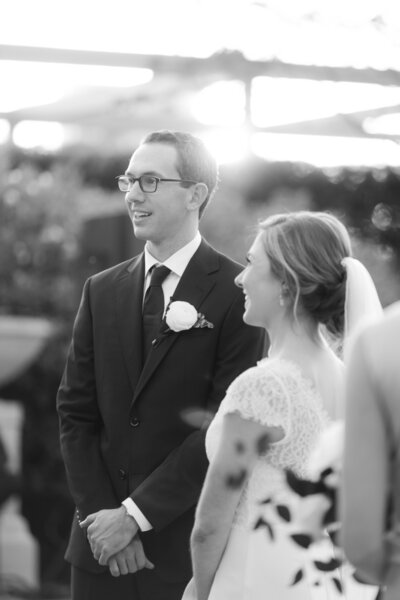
x,y
193,287
129,299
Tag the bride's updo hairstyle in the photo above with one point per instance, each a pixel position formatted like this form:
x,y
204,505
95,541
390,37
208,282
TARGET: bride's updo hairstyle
x,y
305,250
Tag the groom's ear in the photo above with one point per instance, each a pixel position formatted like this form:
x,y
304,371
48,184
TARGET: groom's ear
x,y
199,195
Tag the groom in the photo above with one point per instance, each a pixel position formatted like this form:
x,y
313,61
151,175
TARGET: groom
x,y
136,396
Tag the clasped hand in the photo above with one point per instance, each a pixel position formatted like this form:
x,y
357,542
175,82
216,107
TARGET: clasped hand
x,y
112,535
129,560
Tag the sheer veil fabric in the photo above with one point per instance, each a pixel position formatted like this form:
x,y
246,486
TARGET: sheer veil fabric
x,y
362,304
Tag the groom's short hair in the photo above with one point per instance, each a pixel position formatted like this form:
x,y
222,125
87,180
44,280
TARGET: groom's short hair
x,y
195,161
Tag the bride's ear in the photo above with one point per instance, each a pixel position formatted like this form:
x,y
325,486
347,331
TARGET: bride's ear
x,y
284,294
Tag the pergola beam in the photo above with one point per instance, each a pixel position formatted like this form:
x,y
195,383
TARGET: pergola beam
x,y
228,64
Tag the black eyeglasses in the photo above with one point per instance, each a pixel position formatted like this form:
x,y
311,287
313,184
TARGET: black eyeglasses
x,y
147,183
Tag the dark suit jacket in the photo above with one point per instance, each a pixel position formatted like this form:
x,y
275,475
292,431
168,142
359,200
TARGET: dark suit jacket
x,y
123,430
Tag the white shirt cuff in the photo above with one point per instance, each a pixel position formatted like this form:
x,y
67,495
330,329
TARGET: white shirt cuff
x,y
135,512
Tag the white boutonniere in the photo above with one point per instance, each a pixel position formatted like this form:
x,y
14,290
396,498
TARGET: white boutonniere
x,y
181,316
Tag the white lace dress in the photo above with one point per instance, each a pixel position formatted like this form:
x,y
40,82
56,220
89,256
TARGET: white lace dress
x,y
253,567
275,393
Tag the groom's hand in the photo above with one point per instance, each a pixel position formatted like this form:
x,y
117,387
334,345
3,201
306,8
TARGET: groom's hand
x,y
129,560
109,531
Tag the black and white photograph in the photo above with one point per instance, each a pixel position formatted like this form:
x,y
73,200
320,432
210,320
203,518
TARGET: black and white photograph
x,y
200,300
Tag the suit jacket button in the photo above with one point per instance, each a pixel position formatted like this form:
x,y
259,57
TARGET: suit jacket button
x,y
134,422
122,473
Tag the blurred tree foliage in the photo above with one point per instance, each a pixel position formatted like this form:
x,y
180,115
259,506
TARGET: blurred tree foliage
x,y
44,200
367,199
40,225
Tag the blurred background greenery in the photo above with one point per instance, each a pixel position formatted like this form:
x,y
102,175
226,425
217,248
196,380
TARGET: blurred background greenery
x,y
62,219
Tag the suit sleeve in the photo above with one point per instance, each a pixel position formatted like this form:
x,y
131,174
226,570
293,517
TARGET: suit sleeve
x,y
174,487
80,420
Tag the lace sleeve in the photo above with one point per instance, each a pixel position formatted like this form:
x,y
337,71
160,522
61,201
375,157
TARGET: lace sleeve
x,y
259,394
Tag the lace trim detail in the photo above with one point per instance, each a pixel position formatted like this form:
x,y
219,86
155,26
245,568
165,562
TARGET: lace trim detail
x,y
259,394
275,393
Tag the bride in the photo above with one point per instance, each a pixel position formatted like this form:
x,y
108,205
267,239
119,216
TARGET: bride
x,y
294,283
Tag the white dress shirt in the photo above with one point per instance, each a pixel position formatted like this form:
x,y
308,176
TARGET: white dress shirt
x,y
177,263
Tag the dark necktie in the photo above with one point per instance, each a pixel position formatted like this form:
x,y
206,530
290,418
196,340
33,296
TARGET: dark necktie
x,y
153,307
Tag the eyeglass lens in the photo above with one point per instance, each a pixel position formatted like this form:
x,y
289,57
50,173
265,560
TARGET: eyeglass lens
x,y
147,183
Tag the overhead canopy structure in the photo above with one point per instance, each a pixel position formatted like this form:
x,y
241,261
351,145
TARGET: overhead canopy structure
x,y
285,62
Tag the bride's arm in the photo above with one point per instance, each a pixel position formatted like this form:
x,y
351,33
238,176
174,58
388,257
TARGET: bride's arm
x,y
366,474
224,483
